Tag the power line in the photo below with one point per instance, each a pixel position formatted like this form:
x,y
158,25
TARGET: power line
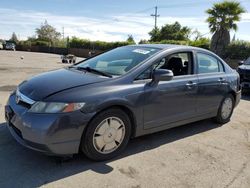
x,y
117,20
155,15
144,10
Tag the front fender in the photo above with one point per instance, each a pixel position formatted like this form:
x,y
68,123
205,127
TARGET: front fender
x,y
101,104
134,112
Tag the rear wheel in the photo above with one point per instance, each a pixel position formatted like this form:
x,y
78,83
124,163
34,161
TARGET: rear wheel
x,y
106,135
225,110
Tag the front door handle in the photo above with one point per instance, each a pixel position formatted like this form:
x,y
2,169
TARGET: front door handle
x,y
191,84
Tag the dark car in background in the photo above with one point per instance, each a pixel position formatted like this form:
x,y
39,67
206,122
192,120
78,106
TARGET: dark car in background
x,y
10,46
99,104
244,72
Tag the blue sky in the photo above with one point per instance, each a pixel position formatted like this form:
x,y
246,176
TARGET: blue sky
x,y
108,20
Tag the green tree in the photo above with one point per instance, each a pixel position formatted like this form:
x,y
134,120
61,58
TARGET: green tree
x,y
131,39
47,33
196,34
170,32
154,35
143,41
14,37
222,18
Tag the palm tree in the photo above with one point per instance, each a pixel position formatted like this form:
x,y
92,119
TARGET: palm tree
x,y
222,18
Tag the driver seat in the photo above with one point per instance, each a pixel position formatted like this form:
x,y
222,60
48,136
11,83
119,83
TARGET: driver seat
x,y
175,64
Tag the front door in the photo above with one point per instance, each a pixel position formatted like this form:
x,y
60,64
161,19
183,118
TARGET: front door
x,y
172,101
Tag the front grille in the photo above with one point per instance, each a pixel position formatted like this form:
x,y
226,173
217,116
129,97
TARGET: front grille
x,y
26,105
23,100
247,76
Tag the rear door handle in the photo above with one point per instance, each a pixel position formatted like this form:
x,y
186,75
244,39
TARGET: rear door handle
x,y
221,79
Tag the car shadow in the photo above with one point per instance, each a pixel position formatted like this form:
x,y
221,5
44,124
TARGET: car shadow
x,y
21,167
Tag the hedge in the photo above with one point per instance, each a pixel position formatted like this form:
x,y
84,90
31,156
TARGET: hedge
x,y
238,50
201,43
98,45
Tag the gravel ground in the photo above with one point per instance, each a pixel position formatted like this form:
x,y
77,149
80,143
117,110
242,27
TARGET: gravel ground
x,y
201,154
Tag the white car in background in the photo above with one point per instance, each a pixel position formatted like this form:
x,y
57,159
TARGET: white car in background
x,y
1,46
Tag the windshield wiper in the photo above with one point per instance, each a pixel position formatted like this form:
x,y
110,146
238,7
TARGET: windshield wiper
x,y
89,69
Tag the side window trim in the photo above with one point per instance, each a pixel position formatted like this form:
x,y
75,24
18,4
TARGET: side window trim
x,y
221,66
193,62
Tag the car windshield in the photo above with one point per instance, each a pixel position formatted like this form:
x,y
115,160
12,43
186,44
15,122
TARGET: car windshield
x,y
120,60
247,62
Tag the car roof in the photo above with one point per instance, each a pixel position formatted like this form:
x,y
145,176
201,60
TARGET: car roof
x,y
168,46
175,46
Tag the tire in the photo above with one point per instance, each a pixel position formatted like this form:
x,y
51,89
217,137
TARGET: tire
x,y
101,131
224,113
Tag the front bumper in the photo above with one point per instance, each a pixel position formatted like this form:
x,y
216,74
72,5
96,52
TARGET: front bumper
x,y
54,134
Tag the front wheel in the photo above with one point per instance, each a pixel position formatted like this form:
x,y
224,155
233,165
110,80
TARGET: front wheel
x,y
106,135
225,110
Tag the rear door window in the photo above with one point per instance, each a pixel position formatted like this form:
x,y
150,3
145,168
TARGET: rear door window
x,y
208,64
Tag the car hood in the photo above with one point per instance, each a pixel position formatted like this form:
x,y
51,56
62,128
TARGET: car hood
x,y
46,84
244,67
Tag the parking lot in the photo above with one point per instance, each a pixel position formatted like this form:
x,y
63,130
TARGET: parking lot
x,y
201,154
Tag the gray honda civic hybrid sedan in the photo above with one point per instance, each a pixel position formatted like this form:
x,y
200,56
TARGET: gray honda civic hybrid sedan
x,y
97,105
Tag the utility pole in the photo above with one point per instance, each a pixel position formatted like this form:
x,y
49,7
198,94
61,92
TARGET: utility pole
x,y
155,15
63,33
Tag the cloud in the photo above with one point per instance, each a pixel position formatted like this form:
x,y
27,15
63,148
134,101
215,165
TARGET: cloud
x,y
112,28
245,18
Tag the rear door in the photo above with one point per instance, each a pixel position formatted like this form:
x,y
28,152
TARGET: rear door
x,y
212,83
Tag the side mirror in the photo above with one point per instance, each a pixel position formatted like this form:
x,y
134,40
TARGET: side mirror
x,y
162,75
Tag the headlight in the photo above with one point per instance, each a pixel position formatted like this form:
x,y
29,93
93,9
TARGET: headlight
x,y
55,107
